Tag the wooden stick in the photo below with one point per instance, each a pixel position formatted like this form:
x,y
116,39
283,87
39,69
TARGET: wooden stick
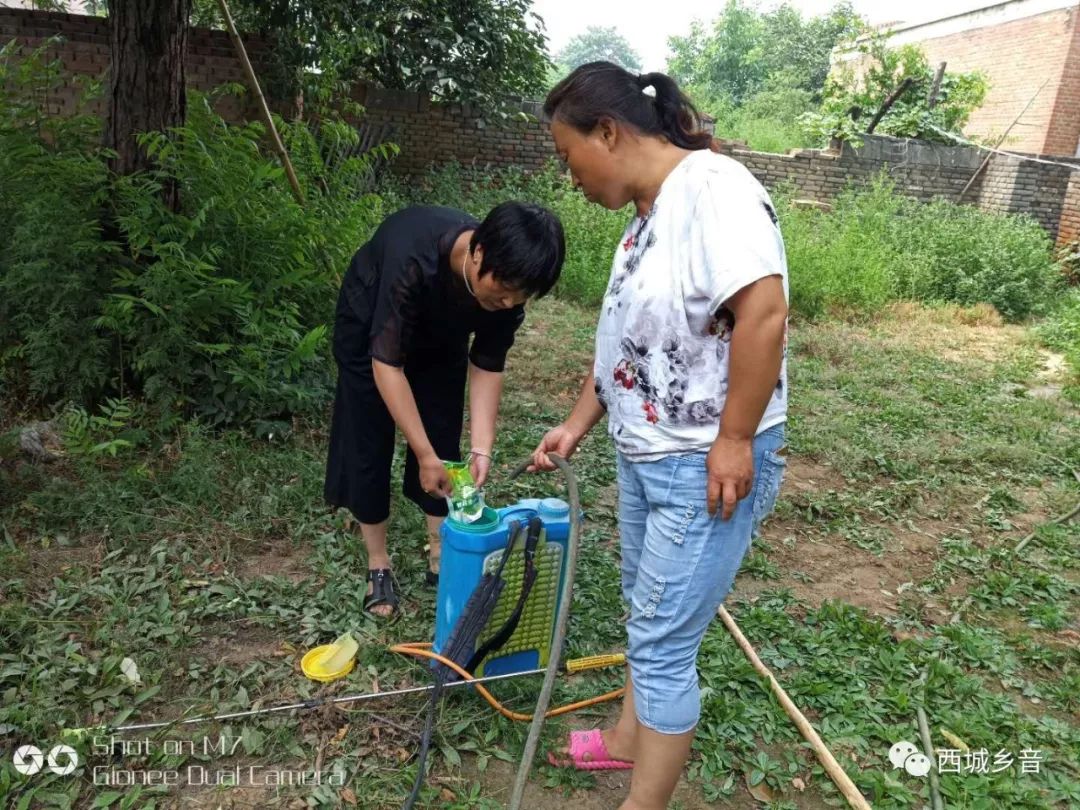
x,y
825,757
1000,141
264,109
894,96
935,88
928,749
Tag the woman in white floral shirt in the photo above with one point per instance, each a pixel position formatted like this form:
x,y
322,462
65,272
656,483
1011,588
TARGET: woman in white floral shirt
x,y
689,369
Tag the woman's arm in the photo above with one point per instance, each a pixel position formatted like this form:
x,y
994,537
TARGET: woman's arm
x,y
397,394
485,392
756,353
564,439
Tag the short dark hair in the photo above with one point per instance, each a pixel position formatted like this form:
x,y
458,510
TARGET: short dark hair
x,y
604,90
524,246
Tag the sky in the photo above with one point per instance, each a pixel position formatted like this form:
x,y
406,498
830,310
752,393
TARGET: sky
x,y
647,24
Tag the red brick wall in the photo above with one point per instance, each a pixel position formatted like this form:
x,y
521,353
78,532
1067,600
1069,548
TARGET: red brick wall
x,y
1017,57
1069,229
1064,135
84,52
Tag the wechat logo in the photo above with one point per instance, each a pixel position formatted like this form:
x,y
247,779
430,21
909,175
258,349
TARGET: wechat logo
x,y
29,760
905,755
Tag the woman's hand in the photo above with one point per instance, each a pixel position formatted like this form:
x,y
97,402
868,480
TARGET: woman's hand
x,y
434,479
729,469
561,440
479,466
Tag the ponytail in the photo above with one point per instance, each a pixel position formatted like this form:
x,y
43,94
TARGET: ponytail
x,y
604,90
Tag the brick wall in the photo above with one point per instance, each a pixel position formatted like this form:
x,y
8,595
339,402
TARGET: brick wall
x,y
436,134
84,54
1020,46
1049,193
1017,58
1069,229
1064,135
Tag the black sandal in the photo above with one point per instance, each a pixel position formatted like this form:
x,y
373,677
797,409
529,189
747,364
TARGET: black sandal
x,y
382,590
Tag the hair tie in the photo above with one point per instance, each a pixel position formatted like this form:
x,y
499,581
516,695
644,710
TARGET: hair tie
x,y
645,83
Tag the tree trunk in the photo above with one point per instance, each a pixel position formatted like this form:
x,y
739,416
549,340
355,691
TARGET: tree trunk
x,y
148,44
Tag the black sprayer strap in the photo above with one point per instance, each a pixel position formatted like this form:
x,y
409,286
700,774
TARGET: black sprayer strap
x,y
474,617
504,633
476,614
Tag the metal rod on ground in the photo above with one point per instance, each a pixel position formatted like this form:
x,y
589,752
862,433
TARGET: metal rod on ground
x,y
264,109
1000,141
824,755
928,749
311,704
561,621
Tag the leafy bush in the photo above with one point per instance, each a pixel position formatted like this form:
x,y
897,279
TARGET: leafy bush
x,y
106,432
226,304
834,263
53,257
768,122
876,246
911,116
219,310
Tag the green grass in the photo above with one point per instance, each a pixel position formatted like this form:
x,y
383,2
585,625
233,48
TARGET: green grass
x,y
1061,332
211,562
876,246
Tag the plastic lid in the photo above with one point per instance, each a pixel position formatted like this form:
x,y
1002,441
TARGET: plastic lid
x,y
487,521
554,509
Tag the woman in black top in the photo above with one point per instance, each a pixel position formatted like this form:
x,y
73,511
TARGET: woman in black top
x,y
413,295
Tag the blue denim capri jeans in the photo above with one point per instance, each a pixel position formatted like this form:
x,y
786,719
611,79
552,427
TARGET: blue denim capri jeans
x,y
678,564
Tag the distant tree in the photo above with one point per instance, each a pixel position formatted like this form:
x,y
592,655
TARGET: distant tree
x,y
745,51
599,44
479,51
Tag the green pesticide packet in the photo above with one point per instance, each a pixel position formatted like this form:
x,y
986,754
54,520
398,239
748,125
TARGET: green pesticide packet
x,y
466,501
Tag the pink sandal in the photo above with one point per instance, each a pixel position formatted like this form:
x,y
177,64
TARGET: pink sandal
x,y
588,753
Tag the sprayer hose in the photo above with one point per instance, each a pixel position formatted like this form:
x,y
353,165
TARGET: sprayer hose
x,y
423,650
561,621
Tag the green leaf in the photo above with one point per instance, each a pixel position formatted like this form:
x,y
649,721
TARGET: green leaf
x,y
451,755
146,694
252,740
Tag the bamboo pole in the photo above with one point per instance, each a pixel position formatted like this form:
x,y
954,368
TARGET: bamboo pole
x,y
264,109
1000,141
928,749
825,757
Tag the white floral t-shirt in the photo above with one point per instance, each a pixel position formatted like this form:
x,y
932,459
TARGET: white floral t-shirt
x,y
664,334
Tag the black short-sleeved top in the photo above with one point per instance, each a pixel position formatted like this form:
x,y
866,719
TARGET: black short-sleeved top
x,y
421,313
